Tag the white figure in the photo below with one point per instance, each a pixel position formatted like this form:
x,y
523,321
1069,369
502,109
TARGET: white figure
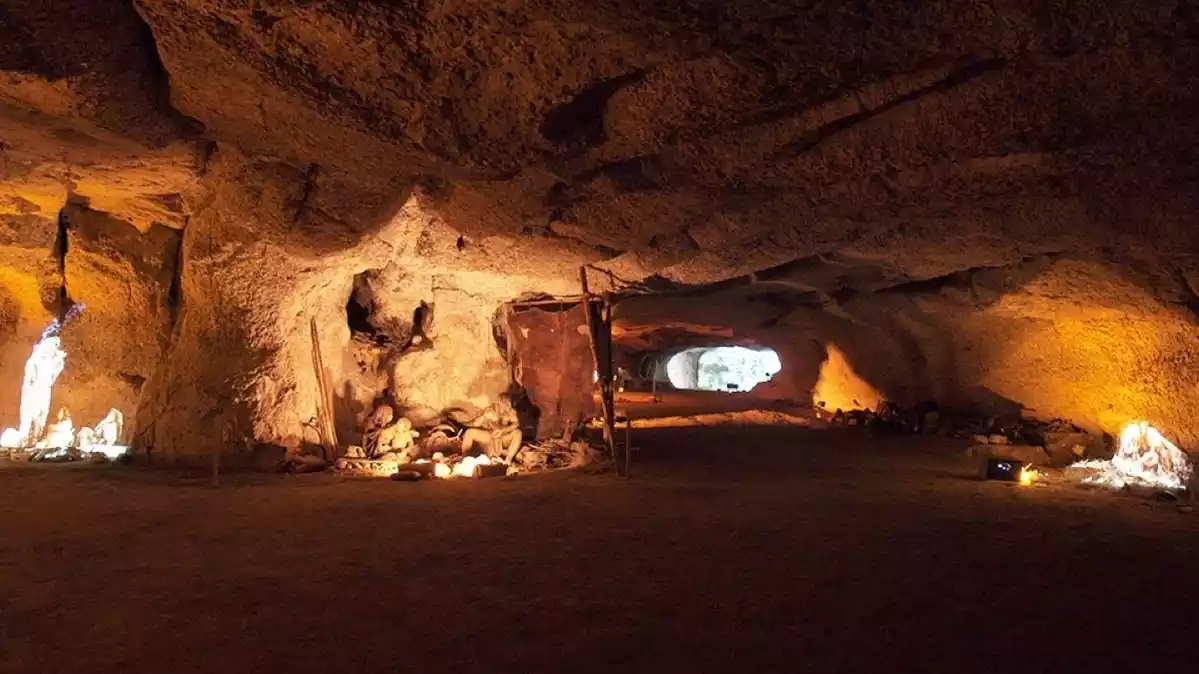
x,y
60,434
41,370
85,438
108,431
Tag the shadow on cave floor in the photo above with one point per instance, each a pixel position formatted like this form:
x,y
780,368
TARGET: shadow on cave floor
x,y
753,451
767,548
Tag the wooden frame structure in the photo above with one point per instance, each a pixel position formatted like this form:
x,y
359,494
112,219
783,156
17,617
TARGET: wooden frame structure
x,y
599,326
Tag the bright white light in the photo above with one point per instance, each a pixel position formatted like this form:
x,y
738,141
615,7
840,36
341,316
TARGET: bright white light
x,y
1144,457
41,371
11,439
61,434
114,451
722,368
466,467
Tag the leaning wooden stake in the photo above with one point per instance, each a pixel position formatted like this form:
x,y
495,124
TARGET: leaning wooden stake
x,y
325,404
603,364
608,391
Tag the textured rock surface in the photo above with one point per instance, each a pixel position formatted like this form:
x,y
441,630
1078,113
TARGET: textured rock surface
x,y
977,202
552,361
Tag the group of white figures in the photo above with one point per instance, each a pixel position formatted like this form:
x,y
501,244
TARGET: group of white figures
x,y
41,370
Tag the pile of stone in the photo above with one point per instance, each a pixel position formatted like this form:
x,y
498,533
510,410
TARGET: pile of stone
x,y
58,455
490,437
1056,443
555,454
888,417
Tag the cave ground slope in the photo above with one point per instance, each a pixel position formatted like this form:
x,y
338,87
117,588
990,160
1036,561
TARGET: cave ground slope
x,y
747,548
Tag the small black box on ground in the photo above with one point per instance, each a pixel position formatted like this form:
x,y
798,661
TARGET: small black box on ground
x,y
1002,469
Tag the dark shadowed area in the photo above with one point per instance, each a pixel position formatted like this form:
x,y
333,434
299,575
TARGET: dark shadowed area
x,y
764,547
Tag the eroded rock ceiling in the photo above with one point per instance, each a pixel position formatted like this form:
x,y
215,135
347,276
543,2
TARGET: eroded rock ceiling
x,y
1003,177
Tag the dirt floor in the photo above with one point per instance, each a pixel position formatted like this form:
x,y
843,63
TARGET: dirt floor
x,y
641,405
730,549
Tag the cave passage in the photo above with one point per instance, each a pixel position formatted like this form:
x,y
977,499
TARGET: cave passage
x,y
722,368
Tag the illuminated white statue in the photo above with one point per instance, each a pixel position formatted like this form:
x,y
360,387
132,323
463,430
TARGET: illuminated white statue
x,y
41,370
108,431
60,434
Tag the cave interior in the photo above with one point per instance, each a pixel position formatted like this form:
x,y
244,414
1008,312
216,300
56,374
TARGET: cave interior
x,y
995,214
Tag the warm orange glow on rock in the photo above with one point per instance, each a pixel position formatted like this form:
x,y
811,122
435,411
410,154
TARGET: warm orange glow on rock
x,y
839,387
1080,342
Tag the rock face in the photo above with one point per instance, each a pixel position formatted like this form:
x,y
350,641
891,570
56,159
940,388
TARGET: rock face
x,y
981,203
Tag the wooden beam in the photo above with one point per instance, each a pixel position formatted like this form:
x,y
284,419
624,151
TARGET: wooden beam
x,y
325,404
601,351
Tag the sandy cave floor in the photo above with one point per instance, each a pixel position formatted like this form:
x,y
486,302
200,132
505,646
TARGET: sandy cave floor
x,y
732,548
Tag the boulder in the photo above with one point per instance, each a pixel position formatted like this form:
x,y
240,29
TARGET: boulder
x,y
1066,448
1028,454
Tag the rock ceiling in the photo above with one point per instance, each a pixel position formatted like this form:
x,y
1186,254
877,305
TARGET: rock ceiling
x,y
824,150
699,140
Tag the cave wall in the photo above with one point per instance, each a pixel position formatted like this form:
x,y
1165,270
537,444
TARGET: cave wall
x,y
463,367
124,279
258,268
1098,340
1095,342
684,368
29,281
878,168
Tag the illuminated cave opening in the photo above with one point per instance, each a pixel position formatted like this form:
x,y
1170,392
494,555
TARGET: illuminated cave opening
x,y
733,369
840,387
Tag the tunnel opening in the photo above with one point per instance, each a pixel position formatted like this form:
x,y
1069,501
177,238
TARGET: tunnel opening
x,y
732,369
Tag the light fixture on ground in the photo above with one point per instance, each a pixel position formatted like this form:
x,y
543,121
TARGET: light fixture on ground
x,y
1145,457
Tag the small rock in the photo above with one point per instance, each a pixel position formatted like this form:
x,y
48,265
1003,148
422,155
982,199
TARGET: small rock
x,y
978,439
930,423
1066,448
1186,509
979,451
1028,454
997,439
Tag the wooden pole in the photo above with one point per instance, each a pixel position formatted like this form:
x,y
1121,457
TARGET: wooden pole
x,y
563,365
590,318
608,391
325,404
603,365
